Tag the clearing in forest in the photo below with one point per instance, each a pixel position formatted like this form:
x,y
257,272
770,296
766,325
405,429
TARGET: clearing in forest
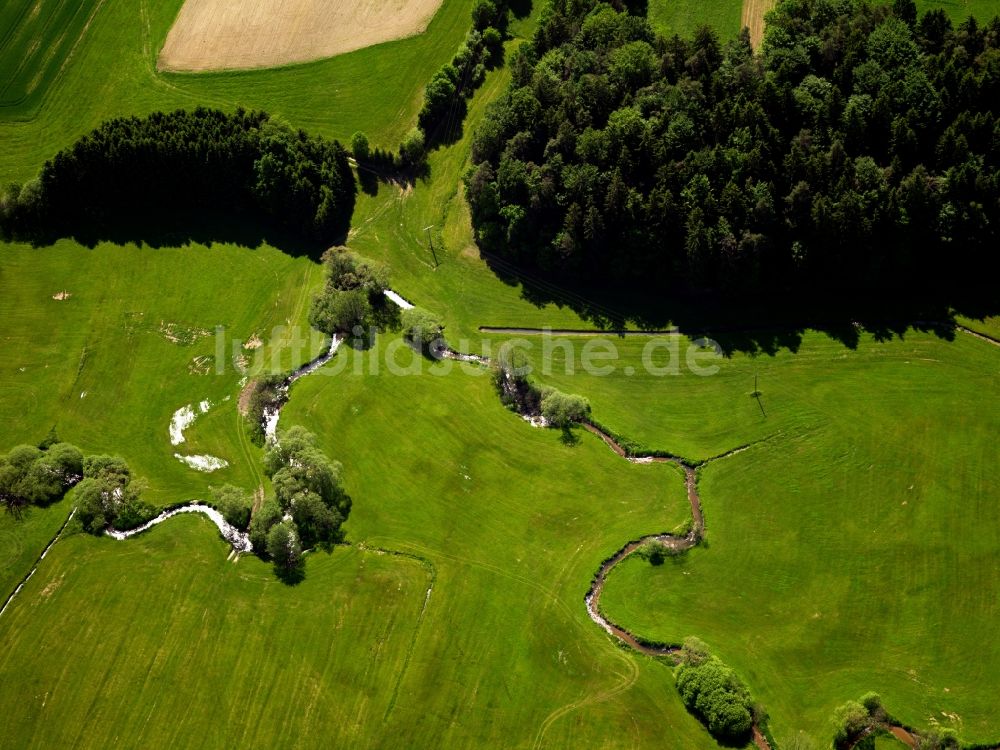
x,y
228,34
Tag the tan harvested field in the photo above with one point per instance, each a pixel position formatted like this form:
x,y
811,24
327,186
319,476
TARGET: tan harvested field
x,y
233,34
753,19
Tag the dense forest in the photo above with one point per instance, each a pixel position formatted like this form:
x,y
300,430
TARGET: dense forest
x,y
203,160
859,150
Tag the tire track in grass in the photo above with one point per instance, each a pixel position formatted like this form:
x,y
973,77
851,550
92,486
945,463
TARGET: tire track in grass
x,y
631,677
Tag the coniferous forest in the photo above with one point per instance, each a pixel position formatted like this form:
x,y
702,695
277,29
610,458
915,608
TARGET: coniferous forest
x,y
859,151
242,164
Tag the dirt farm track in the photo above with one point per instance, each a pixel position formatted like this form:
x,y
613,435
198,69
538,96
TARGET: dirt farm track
x,y
234,34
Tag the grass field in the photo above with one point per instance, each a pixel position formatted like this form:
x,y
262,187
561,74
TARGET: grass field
x,y
959,10
113,72
862,533
672,17
36,40
513,522
102,369
159,641
23,539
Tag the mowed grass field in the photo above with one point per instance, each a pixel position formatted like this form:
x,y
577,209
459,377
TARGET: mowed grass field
x,y
510,521
161,642
853,547
23,539
112,72
672,17
135,341
184,648
515,523
683,17
36,39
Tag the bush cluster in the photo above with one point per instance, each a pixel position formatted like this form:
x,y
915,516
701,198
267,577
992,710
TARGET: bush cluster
x,y
354,294
32,475
234,504
714,693
421,328
510,376
858,151
268,393
310,502
563,409
107,497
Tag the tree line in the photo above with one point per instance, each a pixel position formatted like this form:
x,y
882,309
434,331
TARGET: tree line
x,y
202,160
859,151
444,105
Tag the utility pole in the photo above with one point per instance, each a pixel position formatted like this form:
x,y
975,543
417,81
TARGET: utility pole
x,y
756,395
430,242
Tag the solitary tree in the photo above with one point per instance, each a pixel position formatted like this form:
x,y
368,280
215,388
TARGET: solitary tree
x,y
360,146
563,409
421,327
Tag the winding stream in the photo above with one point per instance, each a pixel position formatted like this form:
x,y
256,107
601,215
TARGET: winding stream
x,y
239,540
674,542
271,414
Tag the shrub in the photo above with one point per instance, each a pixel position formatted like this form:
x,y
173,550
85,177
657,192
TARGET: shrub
x,y
354,289
234,504
654,551
106,497
267,516
315,521
411,151
307,485
510,370
562,409
849,720
421,327
268,393
33,476
132,512
714,693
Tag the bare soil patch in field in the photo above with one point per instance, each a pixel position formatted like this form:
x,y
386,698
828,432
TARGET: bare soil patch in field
x,y
233,34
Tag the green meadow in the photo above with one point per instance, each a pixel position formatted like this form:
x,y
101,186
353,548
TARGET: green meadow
x,y
683,18
724,16
222,653
852,547
136,341
36,40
